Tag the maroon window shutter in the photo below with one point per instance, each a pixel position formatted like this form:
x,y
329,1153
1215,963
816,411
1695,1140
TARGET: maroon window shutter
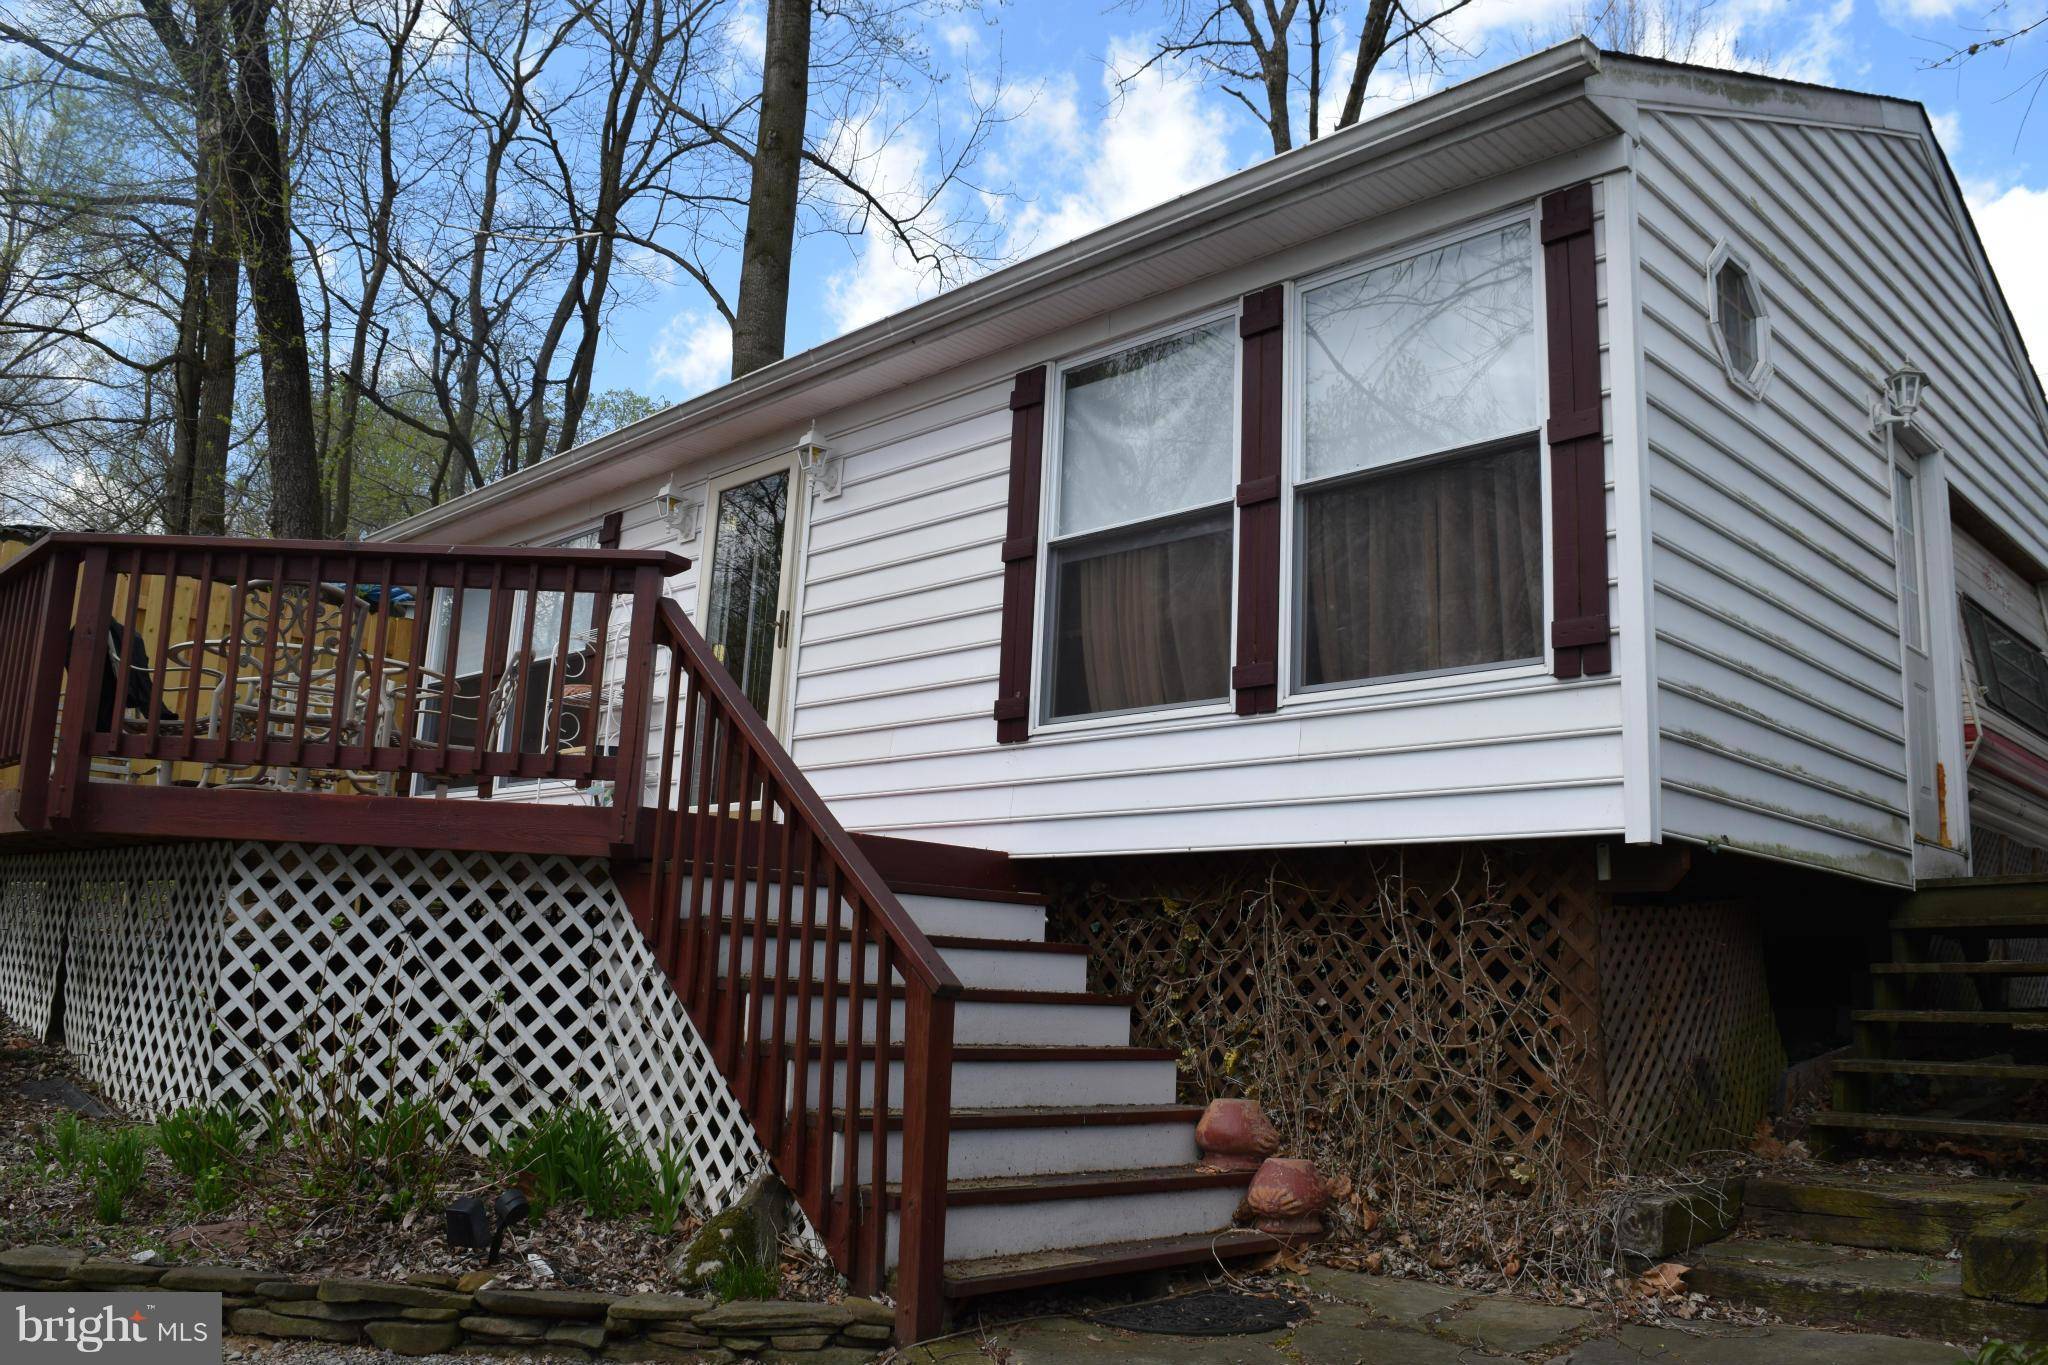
x,y
609,530
1020,557
1578,498
1256,678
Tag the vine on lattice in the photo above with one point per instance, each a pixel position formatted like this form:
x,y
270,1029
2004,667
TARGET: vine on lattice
x,y
1419,1020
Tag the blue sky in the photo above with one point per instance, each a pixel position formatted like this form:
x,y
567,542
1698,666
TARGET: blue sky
x,y
1072,155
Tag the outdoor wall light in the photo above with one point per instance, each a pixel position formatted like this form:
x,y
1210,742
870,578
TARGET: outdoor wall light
x,y
1900,401
683,515
818,464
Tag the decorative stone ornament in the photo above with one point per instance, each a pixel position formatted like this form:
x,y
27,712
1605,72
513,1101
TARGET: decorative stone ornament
x,y
1235,1135
1287,1187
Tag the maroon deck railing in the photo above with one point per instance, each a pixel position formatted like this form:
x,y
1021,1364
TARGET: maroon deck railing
x,y
755,948
190,670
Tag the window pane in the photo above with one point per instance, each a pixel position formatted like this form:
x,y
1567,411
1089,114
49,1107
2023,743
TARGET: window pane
x,y
746,582
1431,567
1736,304
1142,619
2012,672
1149,430
1431,353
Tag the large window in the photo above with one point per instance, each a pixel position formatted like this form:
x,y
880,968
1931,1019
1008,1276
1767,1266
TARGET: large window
x,y
2012,672
1138,600
1418,522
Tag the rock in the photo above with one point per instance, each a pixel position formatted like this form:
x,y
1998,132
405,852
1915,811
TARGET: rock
x,y
287,1289
769,1317
384,1291
511,1329
751,1230
589,1335
657,1308
259,1322
430,1314
1236,1135
867,1310
103,1272
1511,1325
543,1303
868,1331
830,1355
330,1312
434,1279
415,1338
475,1280
676,1336
1287,1187
805,1341
654,1353
744,1345
219,1279
42,1263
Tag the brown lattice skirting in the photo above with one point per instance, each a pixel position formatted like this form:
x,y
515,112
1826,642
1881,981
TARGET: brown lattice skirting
x,y
1455,1015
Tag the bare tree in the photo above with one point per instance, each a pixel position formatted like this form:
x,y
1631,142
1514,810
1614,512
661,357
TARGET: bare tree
x,y
2005,31
760,325
1266,54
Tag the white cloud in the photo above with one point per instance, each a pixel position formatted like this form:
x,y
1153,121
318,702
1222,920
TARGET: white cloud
x,y
2013,224
1158,138
1948,130
693,352
883,277
746,28
961,38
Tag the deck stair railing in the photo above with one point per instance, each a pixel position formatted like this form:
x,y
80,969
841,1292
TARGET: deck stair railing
x,y
348,671
755,946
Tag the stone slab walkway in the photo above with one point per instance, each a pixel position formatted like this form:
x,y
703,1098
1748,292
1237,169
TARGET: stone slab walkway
x,y
1364,1320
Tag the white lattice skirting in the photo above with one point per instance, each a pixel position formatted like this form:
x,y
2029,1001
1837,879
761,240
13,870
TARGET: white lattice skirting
x,y
507,983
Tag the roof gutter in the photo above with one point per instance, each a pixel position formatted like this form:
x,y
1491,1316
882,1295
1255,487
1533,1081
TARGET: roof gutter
x,y
1341,153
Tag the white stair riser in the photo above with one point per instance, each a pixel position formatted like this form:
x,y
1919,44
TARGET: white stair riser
x,y
976,1230
934,914
999,1085
978,1153
994,968
977,1022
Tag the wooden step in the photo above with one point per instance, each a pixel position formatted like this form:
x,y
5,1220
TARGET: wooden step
x,y
1973,1018
1025,1052
1989,903
1050,1116
1038,1270
1905,1066
1864,1290
973,995
993,945
1935,1126
1038,1189
1959,968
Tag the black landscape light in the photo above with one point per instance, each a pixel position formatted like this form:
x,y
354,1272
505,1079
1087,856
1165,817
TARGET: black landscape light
x,y
511,1207
469,1224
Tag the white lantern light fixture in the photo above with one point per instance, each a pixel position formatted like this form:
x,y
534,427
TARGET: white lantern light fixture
x,y
1899,402
820,466
681,514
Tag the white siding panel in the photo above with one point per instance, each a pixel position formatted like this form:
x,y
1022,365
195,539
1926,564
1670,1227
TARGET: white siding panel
x,y
1781,701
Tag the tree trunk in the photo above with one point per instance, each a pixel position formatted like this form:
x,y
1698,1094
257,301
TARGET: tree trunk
x,y
185,369
260,187
761,320
215,427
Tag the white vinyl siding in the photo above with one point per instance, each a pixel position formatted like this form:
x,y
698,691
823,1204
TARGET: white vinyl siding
x,y
1775,605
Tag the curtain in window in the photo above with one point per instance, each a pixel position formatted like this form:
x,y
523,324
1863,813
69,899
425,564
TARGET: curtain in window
x,y
1435,567
1145,623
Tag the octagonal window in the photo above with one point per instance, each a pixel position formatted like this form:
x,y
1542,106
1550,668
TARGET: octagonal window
x,y
1741,324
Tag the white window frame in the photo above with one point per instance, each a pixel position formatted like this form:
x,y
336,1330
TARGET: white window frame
x,y
1050,457
1757,378
1294,452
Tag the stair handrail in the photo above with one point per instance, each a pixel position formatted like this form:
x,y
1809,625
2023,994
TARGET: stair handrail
x,y
697,804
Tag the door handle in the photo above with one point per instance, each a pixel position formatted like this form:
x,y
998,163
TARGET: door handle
x,y
782,628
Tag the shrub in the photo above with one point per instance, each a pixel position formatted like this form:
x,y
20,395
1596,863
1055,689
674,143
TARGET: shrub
x,y
669,1192
2008,1353
114,1162
200,1138
742,1277
576,1153
67,1144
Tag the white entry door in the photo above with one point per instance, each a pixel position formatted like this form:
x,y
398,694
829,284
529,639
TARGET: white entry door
x,y
748,578
1921,713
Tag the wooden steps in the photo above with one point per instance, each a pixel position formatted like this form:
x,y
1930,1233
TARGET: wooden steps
x,y
1907,1066
1893,1292
1934,1125
1010,1274
1951,1036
